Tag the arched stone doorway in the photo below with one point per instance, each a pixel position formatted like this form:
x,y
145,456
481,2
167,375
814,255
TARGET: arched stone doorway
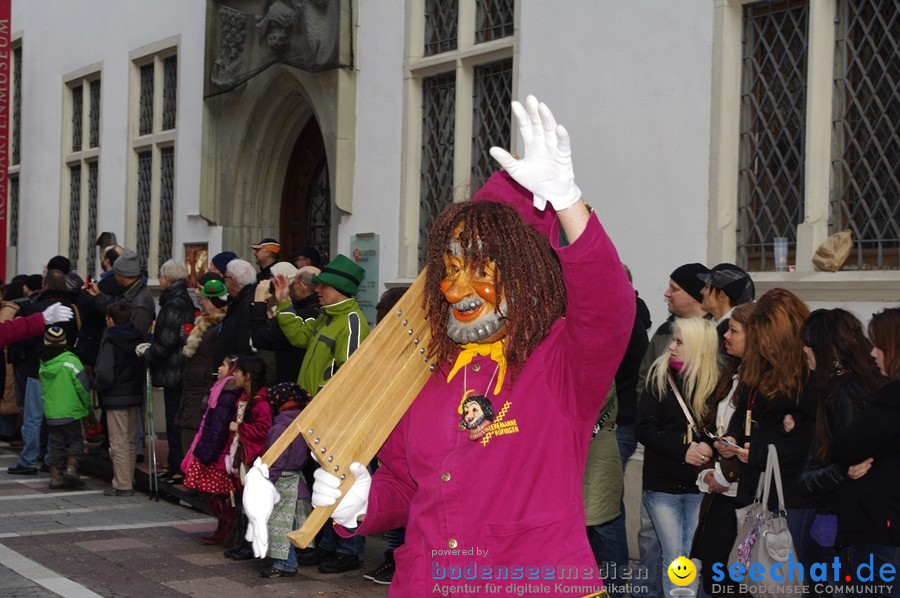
x,y
306,195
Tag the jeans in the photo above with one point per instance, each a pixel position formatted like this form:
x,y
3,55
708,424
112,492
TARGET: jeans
x,y
172,398
650,565
32,417
626,436
674,518
610,545
288,564
331,541
66,442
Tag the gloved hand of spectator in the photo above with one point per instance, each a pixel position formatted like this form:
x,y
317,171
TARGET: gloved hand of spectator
x,y
57,313
141,349
326,492
546,168
260,497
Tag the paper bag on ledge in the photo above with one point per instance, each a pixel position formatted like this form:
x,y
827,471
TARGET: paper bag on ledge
x,y
833,252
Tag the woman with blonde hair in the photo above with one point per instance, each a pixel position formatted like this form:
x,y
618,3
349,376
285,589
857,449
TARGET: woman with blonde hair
x,y
679,383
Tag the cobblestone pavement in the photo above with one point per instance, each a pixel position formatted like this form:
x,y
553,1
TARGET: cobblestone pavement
x,y
81,544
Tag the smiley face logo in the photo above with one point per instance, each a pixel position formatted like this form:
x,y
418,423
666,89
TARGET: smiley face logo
x,y
682,571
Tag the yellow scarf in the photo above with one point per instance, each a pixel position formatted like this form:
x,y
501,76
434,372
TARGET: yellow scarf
x,y
470,350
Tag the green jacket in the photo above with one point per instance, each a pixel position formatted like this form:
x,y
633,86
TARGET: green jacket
x,y
603,481
329,340
64,387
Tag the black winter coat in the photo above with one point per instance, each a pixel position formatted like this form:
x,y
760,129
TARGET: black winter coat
x,y
662,429
234,338
28,352
266,334
198,373
869,508
119,374
164,356
768,428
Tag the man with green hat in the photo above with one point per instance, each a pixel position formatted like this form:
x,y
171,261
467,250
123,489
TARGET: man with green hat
x,y
329,340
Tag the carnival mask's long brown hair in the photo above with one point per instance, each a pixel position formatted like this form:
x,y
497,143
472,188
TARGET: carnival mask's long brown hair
x,y
528,276
773,357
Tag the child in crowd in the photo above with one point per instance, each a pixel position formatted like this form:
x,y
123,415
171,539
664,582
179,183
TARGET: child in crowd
x,y
287,400
119,378
66,400
249,428
204,462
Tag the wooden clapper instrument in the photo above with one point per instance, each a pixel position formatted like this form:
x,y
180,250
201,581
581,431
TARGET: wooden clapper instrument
x,y
352,416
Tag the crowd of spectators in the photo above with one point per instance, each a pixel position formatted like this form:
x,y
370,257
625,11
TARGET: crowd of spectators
x,y
724,377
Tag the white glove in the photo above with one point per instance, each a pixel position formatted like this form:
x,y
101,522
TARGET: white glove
x,y
141,349
56,313
326,491
260,497
546,168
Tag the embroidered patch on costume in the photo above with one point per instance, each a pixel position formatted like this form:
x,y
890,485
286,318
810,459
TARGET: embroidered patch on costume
x,y
501,426
477,414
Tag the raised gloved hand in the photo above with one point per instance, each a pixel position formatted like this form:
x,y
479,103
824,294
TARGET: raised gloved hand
x,y
546,168
56,313
326,492
260,497
141,349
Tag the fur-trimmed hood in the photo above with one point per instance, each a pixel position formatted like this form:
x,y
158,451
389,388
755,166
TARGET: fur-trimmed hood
x,y
203,323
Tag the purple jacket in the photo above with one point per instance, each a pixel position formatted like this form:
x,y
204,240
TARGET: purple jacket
x,y
514,498
214,435
294,456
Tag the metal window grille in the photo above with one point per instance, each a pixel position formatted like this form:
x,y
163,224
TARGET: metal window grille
x,y
93,174
441,24
170,87
14,210
436,176
166,202
145,111
866,136
318,230
772,128
493,19
94,115
17,104
77,116
144,198
491,117
74,211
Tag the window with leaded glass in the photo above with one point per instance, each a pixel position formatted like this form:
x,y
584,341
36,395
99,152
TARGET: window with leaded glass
x,y
14,211
82,161
94,115
74,212
17,104
145,108
77,117
166,202
441,23
772,129
493,19
93,179
144,202
318,230
438,134
170,87
490,116
866,138
151,206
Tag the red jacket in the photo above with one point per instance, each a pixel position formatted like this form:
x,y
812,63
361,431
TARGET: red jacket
x,y
18,329
255,427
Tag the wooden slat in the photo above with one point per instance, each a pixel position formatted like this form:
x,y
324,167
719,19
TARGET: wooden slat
x,y
353,415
